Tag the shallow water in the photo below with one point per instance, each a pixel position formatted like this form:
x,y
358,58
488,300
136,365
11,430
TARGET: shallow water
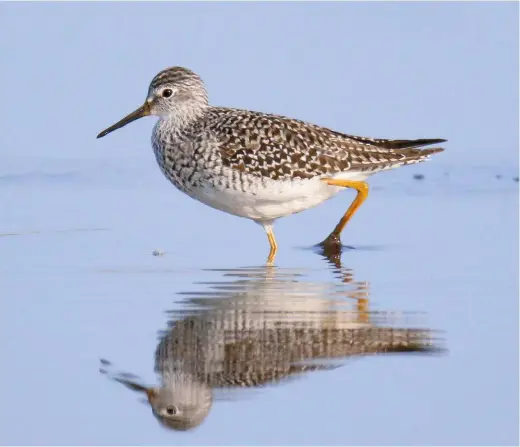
x,y
100,256
80,283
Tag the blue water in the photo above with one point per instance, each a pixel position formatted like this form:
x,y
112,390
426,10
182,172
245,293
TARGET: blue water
x,y
79,283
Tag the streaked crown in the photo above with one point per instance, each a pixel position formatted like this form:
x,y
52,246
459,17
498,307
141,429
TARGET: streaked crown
x,y
175,75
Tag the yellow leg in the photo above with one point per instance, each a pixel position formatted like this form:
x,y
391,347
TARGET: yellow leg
x,y
273,244
362,194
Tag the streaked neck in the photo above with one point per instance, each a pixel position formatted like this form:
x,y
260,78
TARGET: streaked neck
x,y
183,117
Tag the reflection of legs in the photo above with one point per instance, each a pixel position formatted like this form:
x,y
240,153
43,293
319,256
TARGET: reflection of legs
x,y
361,297
362,194
272,243
360,294
362,309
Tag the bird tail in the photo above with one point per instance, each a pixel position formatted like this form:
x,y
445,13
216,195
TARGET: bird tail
x,y
384,340
399,153
414,155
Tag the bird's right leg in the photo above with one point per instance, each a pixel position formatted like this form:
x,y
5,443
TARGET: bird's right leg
x,y
333,239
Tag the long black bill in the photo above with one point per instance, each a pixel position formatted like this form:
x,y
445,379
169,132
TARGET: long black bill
x,y
144,110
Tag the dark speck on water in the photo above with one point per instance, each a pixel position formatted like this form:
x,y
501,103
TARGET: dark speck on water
x,y
158,253
516,179
418,176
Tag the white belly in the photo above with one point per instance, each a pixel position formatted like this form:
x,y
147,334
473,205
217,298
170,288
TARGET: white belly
x,y
274,200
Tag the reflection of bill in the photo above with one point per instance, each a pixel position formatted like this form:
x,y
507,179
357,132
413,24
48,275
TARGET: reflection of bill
x,y
264,326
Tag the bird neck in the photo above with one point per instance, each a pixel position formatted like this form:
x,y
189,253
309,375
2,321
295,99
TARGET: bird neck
x,y
183,116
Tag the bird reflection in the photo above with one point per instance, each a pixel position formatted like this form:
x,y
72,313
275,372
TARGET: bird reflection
x,y
260,326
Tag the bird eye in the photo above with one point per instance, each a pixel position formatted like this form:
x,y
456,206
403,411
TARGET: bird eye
x,y
167,92
171,410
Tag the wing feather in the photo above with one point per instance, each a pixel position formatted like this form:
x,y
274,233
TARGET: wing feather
x,y
280,148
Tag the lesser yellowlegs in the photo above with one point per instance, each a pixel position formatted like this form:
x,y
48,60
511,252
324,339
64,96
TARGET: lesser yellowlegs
x,y
257,165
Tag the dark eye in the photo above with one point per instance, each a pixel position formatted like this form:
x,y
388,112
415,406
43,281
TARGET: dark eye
x,y
167,92
171,410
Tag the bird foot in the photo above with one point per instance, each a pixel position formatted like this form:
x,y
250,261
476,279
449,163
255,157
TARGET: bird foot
x,y
331,248
331,243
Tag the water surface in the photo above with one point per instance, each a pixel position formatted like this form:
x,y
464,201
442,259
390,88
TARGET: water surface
x,y
437,254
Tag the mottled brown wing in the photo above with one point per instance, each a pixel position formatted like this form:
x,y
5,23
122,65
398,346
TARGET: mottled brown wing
x,y
280,148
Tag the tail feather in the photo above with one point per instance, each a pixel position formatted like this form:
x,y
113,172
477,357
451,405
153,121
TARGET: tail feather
x,y
409,144
412,154
396,144
397,158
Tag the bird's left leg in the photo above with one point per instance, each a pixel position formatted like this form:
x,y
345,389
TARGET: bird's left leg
x,y
362,193
272,242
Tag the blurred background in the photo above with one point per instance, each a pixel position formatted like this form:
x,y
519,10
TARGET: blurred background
x,y
80,217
